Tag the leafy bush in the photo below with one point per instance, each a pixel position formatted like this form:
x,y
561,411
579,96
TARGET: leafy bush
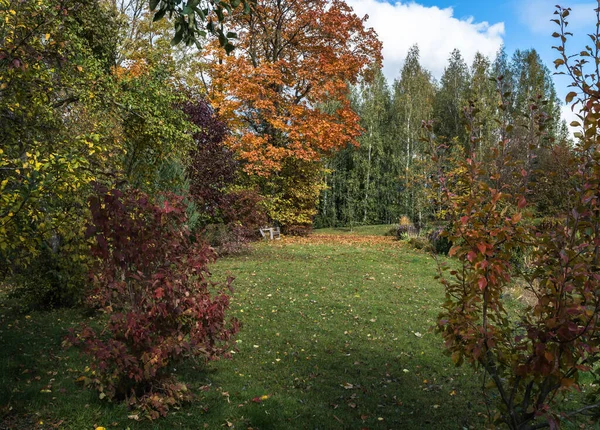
x,y
301,230
405,221
535,358
151,281
213,165
226,239
405,231
419,243
439,241
53,279
243,210
392,231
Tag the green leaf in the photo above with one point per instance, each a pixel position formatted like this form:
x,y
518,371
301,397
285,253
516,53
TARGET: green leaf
x,y
153,4
222,39
229,47
177,38
159,15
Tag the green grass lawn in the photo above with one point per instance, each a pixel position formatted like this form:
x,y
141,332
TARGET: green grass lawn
x,y
336,334
362,230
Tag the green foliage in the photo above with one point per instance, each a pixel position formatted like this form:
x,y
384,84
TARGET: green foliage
x,y
439,241
450,99
54,278
153,132
193,19
70,117
53,75
387,175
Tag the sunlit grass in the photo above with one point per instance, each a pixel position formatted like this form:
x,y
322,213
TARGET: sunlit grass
x,y
335,333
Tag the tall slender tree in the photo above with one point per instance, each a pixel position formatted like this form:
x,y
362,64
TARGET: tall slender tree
x,y
451,98
413,102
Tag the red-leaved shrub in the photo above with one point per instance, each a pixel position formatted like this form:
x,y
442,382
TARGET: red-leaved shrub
x,y
151,281
244,208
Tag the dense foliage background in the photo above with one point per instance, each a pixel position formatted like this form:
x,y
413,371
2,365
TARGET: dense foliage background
x,y
142,139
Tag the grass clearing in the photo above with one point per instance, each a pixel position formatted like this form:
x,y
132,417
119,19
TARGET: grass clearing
x,y
335,333
361,230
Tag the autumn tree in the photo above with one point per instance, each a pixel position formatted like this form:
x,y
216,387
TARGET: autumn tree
x,y
70,116
532,359
284,94
55,63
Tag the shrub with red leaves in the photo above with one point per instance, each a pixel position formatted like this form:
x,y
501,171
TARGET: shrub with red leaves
x,y
244,208
213,166
232,216
152,282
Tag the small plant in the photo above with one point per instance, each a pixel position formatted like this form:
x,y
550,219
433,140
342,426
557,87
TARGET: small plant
x,y
302,230
226,239
439,241
406,229
151,282
419,243
404,221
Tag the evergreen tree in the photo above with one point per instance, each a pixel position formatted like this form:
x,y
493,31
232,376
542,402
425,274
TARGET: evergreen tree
x,y
451,98
413,102
482,93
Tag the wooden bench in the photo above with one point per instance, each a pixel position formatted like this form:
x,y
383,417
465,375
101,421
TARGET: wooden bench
x,y
270,233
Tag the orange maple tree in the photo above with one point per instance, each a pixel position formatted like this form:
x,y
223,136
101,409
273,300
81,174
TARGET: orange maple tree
x,y
284,89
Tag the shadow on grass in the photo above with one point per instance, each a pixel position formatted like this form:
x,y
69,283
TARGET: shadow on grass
x,y
311,386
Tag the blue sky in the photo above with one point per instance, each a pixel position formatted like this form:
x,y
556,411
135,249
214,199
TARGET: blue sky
x,y
438,26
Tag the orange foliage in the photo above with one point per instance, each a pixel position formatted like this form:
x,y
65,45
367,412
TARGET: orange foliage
x,y
284,90
132,69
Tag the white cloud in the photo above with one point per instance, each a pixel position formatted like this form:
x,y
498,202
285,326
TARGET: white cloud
x,y
435,30
537,14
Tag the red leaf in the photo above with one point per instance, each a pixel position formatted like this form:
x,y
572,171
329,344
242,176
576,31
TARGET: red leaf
x,y
482,283
522,202
464,220
482,248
